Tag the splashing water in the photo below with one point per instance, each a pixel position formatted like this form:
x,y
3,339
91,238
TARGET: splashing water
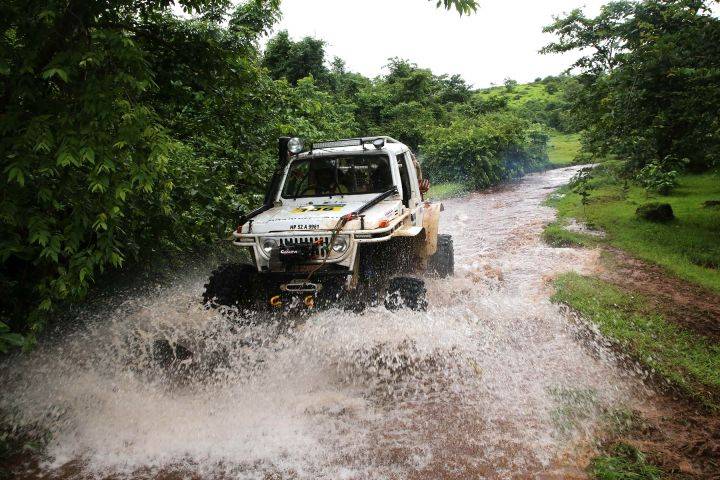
x,y
490,382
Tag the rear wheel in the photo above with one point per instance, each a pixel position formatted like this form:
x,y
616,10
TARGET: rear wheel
x,y
406,292
442,263
234,285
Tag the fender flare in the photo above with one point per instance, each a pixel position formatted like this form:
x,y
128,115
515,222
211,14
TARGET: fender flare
x,y
431,224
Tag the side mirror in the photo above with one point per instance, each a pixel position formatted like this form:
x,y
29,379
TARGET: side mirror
x,y
424,185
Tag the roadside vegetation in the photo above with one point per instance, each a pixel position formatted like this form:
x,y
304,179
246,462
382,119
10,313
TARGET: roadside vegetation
x,y
687,246
442,191
686,360
647,97
564,149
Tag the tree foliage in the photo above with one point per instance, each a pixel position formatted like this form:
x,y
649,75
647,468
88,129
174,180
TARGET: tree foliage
x,y
485,150
291,60
650,82
464,7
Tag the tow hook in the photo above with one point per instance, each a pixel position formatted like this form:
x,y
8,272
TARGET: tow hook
x,y
308,301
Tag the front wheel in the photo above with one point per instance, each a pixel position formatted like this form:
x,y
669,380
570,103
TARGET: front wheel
x,y
406,292
442,263
234,285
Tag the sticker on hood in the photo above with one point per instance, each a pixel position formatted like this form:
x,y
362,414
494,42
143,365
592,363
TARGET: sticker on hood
x,y
324,207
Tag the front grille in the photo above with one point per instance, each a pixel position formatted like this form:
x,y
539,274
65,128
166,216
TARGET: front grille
x,y
319,243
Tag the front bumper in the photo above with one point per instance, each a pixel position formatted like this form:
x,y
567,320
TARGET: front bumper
x,y
345,259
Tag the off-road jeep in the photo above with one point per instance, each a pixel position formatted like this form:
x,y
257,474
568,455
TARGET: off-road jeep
x,y
342,220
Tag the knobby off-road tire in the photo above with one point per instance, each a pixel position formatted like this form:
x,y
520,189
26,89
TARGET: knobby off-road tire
x,y
406,292
234,285
442,263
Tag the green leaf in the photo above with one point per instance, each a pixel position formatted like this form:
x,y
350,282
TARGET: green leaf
x,y
15,173
65,159
45,305
14,339
88,154
55,71
100,223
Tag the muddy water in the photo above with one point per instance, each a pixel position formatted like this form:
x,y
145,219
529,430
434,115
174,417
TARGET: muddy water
x,y
490,382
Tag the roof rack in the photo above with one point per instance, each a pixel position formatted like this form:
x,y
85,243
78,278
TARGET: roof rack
x,y
350,142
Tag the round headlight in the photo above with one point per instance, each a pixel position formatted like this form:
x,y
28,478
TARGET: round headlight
x,y
268,244
295,145
379,143
340,245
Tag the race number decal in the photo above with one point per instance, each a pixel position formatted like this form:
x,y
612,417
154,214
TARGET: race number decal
x,y
325,207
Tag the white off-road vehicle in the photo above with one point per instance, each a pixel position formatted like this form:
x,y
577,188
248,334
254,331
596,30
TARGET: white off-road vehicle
x,y
342,220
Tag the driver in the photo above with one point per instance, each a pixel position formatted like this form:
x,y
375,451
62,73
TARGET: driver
x,y
325,180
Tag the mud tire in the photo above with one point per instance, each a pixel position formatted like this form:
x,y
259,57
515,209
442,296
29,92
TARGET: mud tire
x,y
234,285
442,263
406,292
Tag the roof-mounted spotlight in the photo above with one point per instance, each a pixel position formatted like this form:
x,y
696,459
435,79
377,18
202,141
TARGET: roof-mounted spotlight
x,y
295,145
379,143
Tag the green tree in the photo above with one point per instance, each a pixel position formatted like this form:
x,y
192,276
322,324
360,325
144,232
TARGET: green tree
x,y
291,60
89,166
510,85
650,82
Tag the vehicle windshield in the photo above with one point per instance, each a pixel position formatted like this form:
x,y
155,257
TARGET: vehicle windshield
x,y
338,175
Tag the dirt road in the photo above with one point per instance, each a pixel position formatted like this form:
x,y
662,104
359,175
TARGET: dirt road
x,y
490,382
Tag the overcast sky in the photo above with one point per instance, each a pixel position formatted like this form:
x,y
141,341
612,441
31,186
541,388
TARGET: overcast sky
x,y
501,40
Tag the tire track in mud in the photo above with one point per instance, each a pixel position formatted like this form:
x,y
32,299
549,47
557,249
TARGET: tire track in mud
x,y
490,382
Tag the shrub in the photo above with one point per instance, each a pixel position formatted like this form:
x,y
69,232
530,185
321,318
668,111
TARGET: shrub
x,y
661,177
486,150
580,184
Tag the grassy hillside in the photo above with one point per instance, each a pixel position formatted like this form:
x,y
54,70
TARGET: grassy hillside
x,y
544,91
543,101
563,148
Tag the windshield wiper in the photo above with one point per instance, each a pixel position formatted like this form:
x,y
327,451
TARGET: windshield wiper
x,y
372,203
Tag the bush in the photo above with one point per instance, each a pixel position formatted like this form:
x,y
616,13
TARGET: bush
x,y
486,150
661,177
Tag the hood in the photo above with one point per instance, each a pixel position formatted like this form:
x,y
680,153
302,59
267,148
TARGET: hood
x,y
322,216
